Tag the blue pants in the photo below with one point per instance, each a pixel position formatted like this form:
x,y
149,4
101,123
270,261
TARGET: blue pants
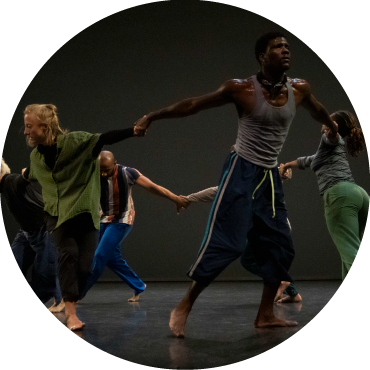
x,y
37,250
249,219
108,254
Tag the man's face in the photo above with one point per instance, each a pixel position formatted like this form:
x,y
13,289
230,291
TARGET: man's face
x,y
107,167
34,130
277,55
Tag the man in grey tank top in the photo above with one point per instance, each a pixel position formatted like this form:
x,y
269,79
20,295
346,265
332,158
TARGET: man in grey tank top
x,y
249,204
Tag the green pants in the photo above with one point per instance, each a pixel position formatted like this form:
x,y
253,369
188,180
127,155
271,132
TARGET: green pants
x,y
346,209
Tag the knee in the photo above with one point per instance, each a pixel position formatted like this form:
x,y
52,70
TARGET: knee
x,y
100,258
68,256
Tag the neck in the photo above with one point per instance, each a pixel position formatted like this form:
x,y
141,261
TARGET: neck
x,y
272,76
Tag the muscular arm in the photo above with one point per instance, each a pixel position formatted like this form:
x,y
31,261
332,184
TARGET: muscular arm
x,y
315,108
190,106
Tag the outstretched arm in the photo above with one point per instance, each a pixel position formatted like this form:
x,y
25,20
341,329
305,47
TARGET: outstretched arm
x,y
159,190
315,108
188,107
301,163
284,169
206,195
112,137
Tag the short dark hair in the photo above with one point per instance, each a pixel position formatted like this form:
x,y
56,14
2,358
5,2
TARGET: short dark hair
x,y
262,42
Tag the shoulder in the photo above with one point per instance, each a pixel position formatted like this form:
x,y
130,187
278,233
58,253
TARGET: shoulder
x,y
13,181
237,83
236,86
11,177
77,138
132,173
77,135
300,85
334,142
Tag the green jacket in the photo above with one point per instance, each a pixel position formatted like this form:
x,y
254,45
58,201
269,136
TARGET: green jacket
x,y
73,185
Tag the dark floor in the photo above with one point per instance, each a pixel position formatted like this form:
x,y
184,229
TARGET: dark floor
x,y
219,330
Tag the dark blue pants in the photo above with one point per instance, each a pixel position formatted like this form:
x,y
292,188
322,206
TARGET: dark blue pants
x,y
37,250
108,254
249,219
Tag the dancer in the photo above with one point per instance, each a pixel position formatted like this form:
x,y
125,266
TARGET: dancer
x,y
32,245
346,204
250,201
67,167
208,195
117,219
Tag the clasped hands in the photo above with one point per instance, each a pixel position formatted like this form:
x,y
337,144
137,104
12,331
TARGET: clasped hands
x,y
285,171
141,125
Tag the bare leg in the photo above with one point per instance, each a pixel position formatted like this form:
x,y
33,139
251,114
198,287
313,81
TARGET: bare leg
x,y
265,316
57,308
280,292
135,297
180,314
289,299
73,322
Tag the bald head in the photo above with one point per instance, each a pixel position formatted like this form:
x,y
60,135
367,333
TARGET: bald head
x,y
107,164
107,156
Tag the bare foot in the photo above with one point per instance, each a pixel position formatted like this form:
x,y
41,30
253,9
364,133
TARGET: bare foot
x,y
74,323
280,292
57,308
289,299
136,296
177,322
269,322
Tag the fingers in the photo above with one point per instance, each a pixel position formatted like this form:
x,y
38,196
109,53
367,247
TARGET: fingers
x,y
139,132
181,203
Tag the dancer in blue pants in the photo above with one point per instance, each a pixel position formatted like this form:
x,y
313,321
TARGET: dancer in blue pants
x,y
117,218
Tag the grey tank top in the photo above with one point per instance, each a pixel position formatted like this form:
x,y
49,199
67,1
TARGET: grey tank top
x,y
262,134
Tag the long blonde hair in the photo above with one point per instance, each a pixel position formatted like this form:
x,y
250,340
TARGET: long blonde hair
x,y
47,115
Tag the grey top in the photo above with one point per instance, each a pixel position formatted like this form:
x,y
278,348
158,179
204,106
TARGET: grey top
x,y
330,163
262,134
206,195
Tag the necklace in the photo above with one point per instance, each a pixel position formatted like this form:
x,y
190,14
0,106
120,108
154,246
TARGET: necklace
x,y
273,88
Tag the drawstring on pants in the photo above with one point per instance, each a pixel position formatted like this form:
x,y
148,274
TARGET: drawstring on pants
x,y
272,186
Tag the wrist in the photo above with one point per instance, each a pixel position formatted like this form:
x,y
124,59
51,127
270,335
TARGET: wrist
x,y
150,117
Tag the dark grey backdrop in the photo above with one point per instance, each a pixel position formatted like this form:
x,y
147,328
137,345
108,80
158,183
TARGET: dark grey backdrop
x,y
153,55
